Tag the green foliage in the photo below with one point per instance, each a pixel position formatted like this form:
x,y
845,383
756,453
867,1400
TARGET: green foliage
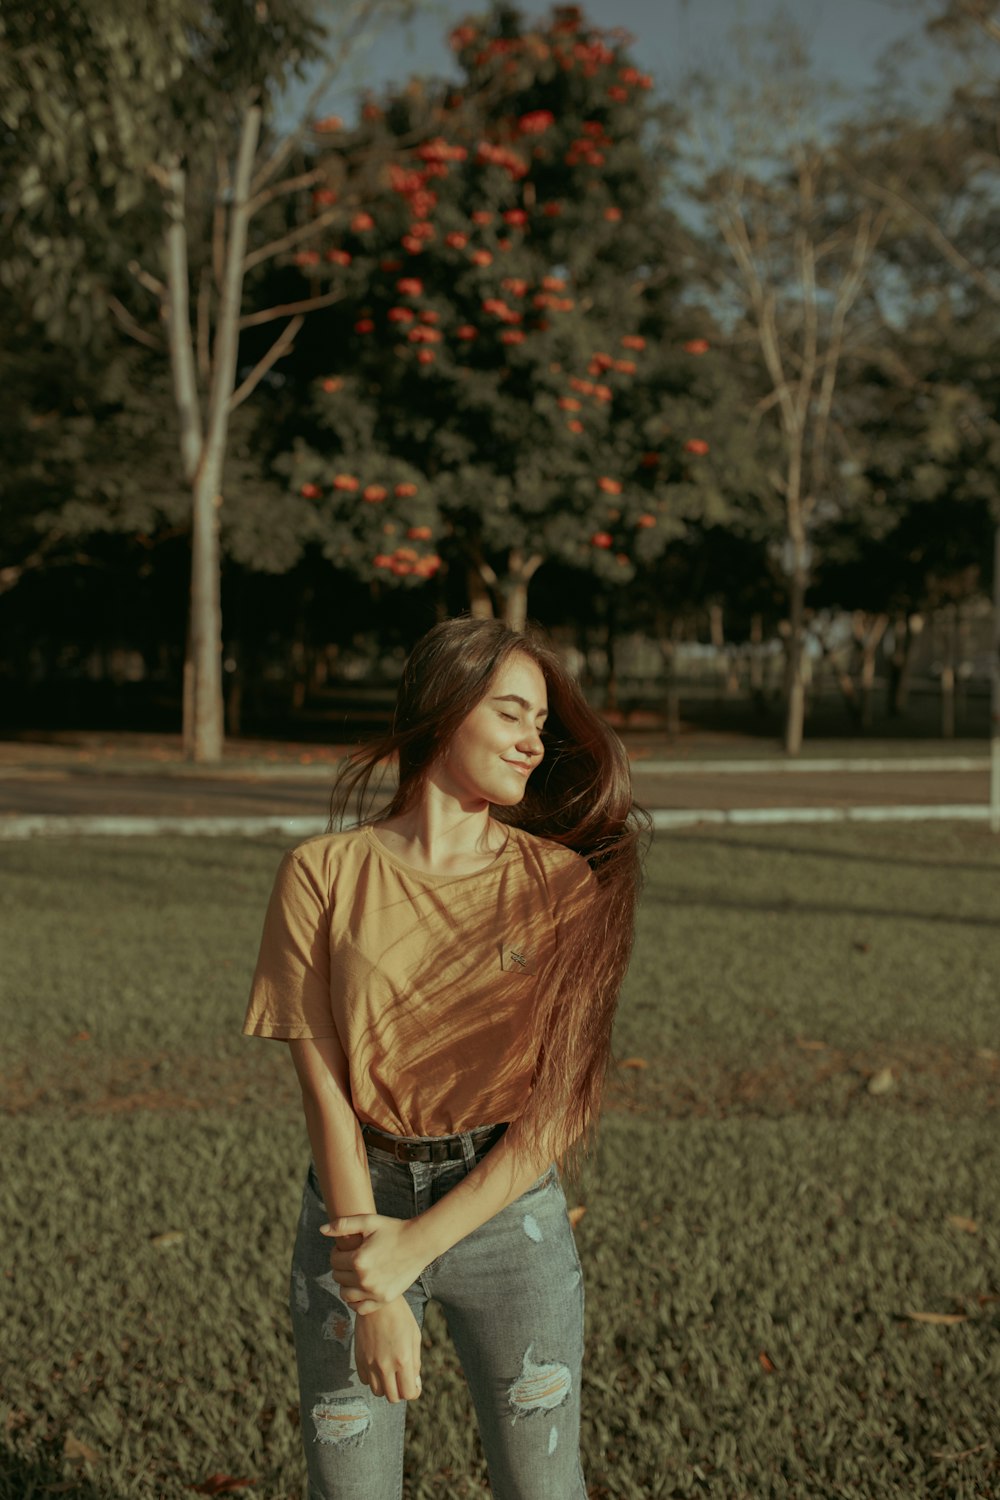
x,y
760,1220
92,104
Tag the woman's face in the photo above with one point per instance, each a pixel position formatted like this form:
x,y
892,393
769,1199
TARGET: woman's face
x,y
498,745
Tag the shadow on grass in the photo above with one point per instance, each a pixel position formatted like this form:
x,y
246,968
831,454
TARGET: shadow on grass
x,y
845,856
37,1477
786,906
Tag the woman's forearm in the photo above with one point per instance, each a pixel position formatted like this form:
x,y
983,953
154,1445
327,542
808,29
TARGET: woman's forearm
x,y
502,1175
339,1154
334,1132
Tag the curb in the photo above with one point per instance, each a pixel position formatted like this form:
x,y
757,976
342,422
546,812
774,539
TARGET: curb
x,y
43,825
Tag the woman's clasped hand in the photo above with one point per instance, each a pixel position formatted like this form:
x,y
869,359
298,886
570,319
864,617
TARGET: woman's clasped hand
x,y
380,1262
387,1351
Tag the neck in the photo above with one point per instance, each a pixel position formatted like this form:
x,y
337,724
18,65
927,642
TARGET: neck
x,y
444,830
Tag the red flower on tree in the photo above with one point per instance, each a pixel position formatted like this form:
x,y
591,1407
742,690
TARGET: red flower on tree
x,y
696,346
346,482
410,286
374,493
310,491
609,486
697,446
364,325
601,539
362,222
536,122
405,490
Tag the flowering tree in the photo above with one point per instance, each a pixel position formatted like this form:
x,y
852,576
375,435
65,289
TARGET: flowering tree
x,y
510,385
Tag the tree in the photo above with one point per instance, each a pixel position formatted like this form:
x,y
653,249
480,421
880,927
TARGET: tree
x,y
122,136
801,242
939,182
515,359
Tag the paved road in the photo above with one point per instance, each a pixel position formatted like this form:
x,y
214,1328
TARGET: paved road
x,y
62,791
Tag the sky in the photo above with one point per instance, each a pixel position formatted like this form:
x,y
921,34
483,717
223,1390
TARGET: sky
x,y
673,39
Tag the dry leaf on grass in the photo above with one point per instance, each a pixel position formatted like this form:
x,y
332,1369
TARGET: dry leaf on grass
x,y
169,1237
766,1363
77,1452
576,1214
943,1320
968,1225
633,1062
809,1046
881,1082
220,1484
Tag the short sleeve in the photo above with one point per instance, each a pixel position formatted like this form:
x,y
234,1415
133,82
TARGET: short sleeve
x,y
575,886
290,993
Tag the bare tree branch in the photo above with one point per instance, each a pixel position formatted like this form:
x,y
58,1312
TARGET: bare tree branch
x,y
280,189
281,346
948,248
128,324
294,237
178,322
146,279
281,154
286,309
204,318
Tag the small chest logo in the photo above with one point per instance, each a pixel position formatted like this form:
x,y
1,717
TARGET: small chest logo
x,y
515,958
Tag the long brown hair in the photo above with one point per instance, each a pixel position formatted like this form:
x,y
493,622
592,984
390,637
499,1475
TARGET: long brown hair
x,y
580,795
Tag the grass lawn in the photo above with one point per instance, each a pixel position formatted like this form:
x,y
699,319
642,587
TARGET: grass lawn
x,y
791,1239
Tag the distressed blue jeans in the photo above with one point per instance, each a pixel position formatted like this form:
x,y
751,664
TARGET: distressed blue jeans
x,y
512,1295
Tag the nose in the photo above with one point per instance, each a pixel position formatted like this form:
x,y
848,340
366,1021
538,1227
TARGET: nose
x,y
530,742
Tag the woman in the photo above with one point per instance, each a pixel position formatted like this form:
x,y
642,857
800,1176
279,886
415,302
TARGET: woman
x,y
446,975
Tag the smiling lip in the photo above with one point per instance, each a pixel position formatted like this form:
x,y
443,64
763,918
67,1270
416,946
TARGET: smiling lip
x,y
519,765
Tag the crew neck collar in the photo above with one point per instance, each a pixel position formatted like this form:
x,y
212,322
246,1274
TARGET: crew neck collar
x,y
435,877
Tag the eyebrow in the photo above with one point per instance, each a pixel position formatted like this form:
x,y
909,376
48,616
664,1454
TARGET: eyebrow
x,y
513,698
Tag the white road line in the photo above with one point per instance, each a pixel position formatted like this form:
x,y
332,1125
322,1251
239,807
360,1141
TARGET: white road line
x,y
684,817
43,825
815,767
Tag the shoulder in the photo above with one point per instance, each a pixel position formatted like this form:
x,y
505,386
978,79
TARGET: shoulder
x,y
317,861
566,872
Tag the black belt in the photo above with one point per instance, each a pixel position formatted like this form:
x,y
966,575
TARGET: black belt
x,y
441,1148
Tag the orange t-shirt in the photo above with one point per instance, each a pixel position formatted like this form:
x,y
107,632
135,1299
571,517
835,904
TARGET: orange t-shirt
x,y
427,980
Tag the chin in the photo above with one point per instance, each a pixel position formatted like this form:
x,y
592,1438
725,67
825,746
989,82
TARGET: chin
x,y
508,796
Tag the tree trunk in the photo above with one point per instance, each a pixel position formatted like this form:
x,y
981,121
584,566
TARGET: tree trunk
x,y
187,693
795,693
480,601
901,645
948,684
514,589
995,693
869,647
515,605
757,659
204,732
901,696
